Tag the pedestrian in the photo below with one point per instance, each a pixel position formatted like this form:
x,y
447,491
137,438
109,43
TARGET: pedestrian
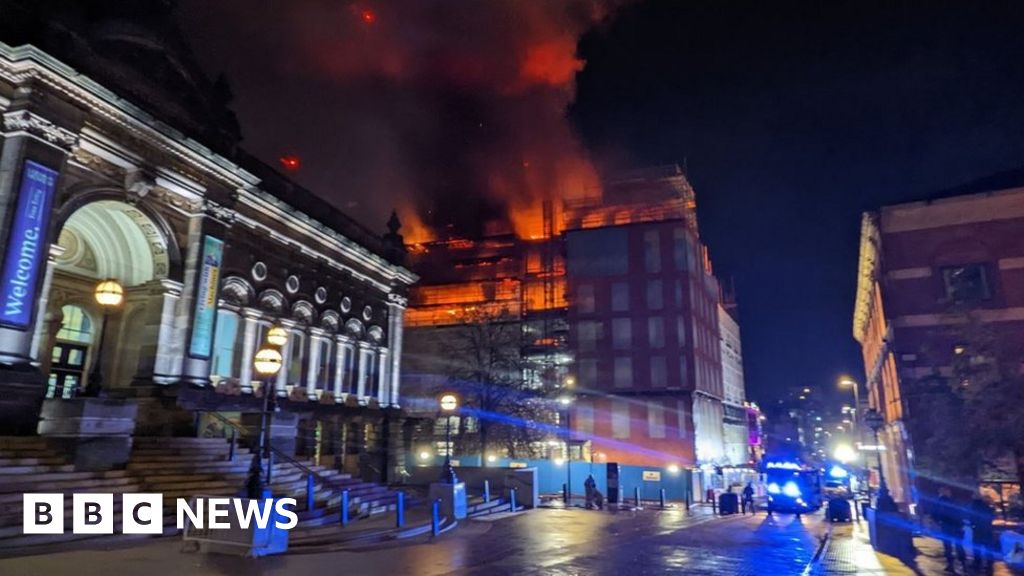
x,y
951,526
983,541
589,487
748,498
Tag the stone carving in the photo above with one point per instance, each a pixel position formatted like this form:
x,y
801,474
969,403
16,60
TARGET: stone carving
x,y
26,121
398,299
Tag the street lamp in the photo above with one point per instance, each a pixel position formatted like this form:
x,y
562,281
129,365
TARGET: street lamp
x,y
566,401
449,403
883,500
277,336
109,294
267,362
847,381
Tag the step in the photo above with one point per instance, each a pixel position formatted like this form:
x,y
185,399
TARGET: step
x,y
82,485
31,461
31,469
7,442
172,458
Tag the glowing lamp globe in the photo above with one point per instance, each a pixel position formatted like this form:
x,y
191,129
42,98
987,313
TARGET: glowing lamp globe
x,y
449,402
673,469
565,400
268,362
277,336
109,293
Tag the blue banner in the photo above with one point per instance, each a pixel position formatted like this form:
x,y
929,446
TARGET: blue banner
x,y
206,297
27,245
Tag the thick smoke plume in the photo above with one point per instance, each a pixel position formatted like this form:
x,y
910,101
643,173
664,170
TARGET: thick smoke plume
x,y
451,111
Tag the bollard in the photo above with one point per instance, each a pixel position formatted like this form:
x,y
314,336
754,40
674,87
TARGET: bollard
x,y
662,498
636,495
231,446
435,518
344,507
512,499
400,510
687,501
270,468
565,493
310,493
714,505
487,491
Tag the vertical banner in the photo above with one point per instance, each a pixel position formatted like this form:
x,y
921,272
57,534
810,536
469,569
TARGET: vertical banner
x,y
206,297
26,245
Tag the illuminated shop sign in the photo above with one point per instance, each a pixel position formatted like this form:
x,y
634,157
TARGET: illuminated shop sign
x,y
26,245
206,297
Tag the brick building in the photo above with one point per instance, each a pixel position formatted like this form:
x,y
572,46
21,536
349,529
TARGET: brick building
x,y
925,269
618,297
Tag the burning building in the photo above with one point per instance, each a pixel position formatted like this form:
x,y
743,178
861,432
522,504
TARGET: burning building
x,y
616,303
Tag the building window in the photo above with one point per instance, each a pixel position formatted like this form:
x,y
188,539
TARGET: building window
x,y
587,334
623,372
296,364
681,330
225,336
654,293
620,297
679,245
684,418
655,421
652,251
682,370
966,283
584,421
622,333
585,298
620,419
656,332
659,374
586,372
679,293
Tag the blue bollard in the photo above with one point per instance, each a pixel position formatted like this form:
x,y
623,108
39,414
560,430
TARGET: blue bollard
x,y
662,498
310,493
400,510
487,491
344,507
565,493
270,469
231,446
636,495
435,518
512,499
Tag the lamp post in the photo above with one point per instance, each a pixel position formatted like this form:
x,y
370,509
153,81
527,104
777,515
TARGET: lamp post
x,y
267,362
449,403
109,294
883,500
846,381
566,401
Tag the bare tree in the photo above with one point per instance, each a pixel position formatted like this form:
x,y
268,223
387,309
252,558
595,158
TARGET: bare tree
x,y
971,417
489,371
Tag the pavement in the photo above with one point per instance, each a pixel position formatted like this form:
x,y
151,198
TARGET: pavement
x,y
848,551
543,542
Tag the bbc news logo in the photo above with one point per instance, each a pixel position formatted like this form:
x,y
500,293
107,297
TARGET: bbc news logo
x,y
144,513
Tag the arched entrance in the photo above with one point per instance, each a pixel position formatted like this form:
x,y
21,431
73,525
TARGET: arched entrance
x,y
104,239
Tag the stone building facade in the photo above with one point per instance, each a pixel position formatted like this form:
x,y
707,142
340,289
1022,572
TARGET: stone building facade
x,y
212,249
927,270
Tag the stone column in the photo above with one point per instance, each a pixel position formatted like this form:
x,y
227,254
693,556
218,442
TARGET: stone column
x,y
251,318
396,312
316,338
363,370
383,384
281,384
342,352
158,362
39,338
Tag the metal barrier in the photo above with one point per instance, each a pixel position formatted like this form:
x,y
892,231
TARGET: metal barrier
x,y
435,518
400,510
344,507
512,499
487,491
661,497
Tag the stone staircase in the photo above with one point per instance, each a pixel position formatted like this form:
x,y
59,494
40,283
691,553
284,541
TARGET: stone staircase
x,y
177,468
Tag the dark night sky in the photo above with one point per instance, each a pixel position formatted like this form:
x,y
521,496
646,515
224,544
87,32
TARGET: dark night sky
x,y
792,119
